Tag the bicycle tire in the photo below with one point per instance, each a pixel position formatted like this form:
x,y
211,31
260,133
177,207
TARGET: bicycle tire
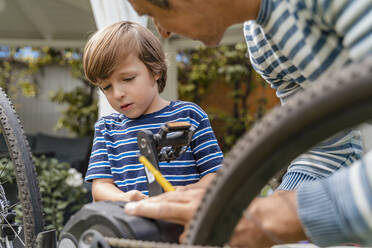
x,y
25,172
286,132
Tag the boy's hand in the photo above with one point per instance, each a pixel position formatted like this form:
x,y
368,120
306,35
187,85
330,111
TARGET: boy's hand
x,y
134,195
104,189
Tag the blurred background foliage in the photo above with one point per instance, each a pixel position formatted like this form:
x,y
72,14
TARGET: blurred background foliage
x,y
61,186
18,68
222,81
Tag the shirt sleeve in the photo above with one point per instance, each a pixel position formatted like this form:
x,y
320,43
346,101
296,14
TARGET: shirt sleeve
x,y
204,145
338,209
350,19
99,166
339,151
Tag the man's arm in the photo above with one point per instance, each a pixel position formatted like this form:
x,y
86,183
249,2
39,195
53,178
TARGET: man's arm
x,y
104,189
339,209
339,151
330,211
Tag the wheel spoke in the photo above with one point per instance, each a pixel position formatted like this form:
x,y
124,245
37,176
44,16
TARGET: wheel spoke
x,y
2,171
11,227
14,205
2,183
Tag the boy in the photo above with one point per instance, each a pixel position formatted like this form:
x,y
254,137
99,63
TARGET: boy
x,y
126,61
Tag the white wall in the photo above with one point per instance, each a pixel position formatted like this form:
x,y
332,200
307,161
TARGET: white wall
x,y
39,114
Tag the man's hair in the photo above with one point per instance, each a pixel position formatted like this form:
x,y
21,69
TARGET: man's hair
x,y
107,47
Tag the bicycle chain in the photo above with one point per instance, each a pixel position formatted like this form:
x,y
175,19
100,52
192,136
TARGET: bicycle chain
x,y
130,243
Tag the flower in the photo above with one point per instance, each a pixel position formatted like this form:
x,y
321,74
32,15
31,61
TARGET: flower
x,y
74,179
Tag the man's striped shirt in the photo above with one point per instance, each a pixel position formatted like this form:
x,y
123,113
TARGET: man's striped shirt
x,y
115,151
338,209
291,44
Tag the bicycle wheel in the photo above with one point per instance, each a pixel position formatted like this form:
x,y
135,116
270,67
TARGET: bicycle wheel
x,y
331,105
27,184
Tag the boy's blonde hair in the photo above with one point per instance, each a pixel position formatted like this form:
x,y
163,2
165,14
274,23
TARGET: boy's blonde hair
x,y
107,47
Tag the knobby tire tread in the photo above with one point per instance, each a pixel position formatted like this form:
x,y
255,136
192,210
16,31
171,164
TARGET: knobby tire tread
x,y
26,177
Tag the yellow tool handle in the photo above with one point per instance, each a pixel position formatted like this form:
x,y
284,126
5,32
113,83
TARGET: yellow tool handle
x,y
158,176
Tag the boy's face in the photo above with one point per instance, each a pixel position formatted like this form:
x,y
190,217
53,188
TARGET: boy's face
x,y
131,89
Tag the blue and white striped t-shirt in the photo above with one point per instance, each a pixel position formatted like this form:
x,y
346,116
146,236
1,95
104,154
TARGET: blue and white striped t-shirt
x,y
291,44
115,150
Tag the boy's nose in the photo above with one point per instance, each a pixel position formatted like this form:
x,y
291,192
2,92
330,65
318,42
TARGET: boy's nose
x,y
119,93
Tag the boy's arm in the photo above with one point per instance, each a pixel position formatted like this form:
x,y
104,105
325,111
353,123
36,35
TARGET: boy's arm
x,y
205,148
104,189
202,184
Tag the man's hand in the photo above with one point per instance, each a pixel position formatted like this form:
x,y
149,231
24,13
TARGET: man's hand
x,y
176,206
269,221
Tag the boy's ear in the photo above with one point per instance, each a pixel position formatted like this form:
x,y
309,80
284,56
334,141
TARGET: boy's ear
x,y
157,76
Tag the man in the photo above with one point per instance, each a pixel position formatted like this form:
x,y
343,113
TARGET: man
x,y
291,44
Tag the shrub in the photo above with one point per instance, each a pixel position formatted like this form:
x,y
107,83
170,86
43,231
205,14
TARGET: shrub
x,y
61,188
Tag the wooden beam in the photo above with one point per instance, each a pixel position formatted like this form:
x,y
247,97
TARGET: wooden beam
x,y
41,42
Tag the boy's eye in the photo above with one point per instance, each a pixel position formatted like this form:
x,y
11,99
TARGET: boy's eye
x,y
129,78
106,87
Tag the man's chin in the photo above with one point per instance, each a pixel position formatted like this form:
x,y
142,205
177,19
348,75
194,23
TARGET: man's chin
x,y
212,41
